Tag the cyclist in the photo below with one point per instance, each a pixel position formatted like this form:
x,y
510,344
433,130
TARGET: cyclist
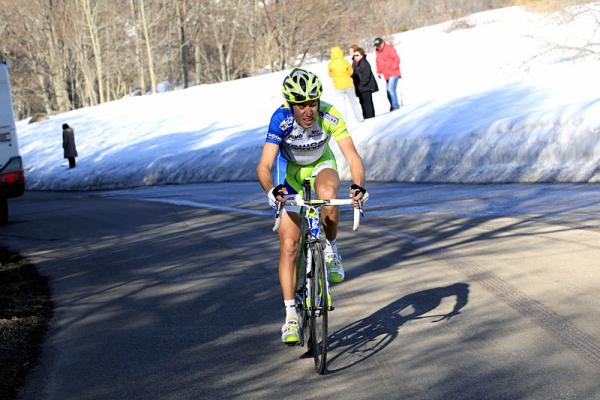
x,y
297,146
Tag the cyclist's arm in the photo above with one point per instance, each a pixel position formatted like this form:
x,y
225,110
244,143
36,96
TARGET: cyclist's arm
x,y
263,169
354,160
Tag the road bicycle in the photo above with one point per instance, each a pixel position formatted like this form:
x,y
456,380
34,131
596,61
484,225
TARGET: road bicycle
x,y
313,298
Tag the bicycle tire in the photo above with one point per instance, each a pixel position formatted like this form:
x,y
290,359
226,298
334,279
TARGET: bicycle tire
x,y
302,297
319,308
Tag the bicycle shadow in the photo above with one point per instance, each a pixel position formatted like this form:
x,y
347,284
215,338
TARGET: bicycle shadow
x,y
363,339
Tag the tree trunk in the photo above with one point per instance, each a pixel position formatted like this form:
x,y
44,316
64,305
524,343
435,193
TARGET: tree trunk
x,y
183,43
148,46
197,62
138,48
93,31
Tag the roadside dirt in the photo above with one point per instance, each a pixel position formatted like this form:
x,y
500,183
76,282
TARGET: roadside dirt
x,y
25,309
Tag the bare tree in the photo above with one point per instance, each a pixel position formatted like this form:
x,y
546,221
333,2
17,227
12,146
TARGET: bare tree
x,y
89,8
582,46
149,54
134,32
38,34
183,41
297,31
219,24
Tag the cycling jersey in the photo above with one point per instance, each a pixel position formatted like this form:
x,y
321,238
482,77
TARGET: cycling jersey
x,y
304,146
303,153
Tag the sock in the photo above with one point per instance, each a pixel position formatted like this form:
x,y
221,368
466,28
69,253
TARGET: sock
x,y
330,246
290,309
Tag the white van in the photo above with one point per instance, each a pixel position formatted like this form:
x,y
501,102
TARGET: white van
x,y
12,177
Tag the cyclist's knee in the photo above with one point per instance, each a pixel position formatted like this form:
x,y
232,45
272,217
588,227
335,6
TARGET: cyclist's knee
x,y
327,183
288,247
328,187
327,192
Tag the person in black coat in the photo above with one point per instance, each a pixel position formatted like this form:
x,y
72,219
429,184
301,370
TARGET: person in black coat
x,y
364,82
70,151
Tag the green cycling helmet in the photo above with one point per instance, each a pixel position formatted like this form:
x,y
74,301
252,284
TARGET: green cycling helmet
x,y
301,86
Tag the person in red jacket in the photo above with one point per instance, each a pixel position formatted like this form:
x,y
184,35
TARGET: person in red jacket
x,y
388,67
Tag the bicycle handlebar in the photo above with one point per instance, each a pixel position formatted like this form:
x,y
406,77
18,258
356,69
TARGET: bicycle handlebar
x,y
297,200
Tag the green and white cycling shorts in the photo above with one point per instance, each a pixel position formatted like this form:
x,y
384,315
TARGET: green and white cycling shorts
x,y
292,175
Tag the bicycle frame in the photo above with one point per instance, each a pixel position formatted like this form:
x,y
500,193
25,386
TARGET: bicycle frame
x,y
310,233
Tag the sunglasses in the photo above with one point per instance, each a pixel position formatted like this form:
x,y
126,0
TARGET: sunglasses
x,y
357,54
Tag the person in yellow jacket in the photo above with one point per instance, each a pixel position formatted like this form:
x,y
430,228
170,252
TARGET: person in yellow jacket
x,y
340,72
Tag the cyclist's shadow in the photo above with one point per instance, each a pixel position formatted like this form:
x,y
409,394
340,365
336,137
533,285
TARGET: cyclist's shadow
x,y
362,339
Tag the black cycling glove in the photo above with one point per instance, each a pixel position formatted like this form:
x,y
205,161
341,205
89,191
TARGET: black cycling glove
x,y
272,196
358,189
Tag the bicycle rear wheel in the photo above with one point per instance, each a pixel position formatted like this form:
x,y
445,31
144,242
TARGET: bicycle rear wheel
x,y
319,308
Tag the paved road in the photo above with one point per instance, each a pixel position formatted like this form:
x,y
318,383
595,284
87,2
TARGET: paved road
x,y
166,301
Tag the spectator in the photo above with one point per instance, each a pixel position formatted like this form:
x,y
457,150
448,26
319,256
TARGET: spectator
x,y
388,67
69,149
340,71
364,82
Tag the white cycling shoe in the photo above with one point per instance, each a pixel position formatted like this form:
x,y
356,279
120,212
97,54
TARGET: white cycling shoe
x,y
333,261
289,331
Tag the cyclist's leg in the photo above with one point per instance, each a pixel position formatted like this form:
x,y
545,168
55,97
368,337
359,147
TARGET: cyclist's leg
x,y
327,184
289,175
289,238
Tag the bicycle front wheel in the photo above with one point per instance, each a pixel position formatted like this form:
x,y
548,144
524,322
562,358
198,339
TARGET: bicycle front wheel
x,y
319,308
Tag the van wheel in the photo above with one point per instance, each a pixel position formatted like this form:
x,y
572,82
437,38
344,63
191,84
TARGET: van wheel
x,y
3,211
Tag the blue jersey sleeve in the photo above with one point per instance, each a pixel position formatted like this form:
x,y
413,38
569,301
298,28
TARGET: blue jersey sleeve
x,y
281,122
